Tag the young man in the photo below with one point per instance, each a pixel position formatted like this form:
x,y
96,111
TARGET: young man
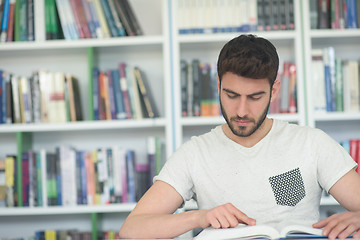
x,y
253,169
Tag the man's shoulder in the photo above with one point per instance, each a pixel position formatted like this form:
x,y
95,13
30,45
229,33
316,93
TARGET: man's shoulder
x,y
293,128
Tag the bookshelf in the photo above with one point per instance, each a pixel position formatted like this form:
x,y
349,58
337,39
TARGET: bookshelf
x,y
206,47
341,125
149,51
158,52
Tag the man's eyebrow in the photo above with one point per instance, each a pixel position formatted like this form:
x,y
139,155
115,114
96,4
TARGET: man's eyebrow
x,y
235,93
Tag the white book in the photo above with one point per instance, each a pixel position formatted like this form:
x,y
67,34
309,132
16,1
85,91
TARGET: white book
x,y
243,231
68,175
118,155
43,177
354,85
318,81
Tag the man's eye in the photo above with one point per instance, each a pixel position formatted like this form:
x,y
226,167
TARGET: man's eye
x,y
231,96
254,98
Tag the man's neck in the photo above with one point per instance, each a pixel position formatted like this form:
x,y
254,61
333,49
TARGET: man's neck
x,y
254,138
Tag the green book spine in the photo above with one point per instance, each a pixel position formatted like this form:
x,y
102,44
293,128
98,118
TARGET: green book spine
x,y
339,85
17,21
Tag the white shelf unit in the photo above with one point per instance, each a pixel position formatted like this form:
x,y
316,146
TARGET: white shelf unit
x,y
149,52
158,52
206,48
339,125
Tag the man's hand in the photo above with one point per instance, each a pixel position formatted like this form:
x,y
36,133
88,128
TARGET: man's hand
x,y
224,216
340,225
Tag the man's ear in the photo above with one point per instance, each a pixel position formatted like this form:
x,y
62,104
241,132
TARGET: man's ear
x,y
218,83
275,90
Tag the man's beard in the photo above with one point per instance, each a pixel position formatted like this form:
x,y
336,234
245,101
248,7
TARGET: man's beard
x,y
240,131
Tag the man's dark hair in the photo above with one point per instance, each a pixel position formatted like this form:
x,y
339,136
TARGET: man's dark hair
x,y
249,56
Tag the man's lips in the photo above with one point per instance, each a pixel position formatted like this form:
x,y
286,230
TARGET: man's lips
x,y
242,122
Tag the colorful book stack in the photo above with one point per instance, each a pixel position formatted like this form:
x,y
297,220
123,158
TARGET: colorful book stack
x,y
199,95
218,16
17,20
69,177
334,14
286,102
336,82
43,97
122,93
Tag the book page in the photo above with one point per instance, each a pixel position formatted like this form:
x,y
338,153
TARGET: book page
x,y
301,231
241,231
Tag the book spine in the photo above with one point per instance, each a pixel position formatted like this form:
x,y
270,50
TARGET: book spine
x,y
5,21
30,20
119,101
130,167
125,91
10,27
111,95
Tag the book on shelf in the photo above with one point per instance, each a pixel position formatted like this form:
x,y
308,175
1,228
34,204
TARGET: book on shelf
x,y
259,231
2,184
135,93
125,90
317,69
146,97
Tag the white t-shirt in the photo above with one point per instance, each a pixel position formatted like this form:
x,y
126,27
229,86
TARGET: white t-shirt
x,y
278,181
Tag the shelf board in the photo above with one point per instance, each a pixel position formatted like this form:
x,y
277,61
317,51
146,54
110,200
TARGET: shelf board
x,y
223,37
83,43
78,209
82,125
198,121
334,33
336,116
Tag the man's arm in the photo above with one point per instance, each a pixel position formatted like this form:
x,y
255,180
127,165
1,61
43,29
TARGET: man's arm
x,y
347,192
153,215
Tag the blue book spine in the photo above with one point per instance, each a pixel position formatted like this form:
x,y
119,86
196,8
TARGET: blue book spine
x,y
3,106
95,19
328,89
96,95
78,177
130,167
109,18
83,179
5,17
119,101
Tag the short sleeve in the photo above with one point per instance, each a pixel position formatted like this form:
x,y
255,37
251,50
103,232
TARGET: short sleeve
x,y
333,161
176,172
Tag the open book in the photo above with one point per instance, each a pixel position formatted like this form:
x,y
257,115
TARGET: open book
x,y
259,231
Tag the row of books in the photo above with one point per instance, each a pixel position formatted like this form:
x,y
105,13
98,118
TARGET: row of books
x,y
122,93
286,100
42,97
17,20
91,19
199,94
69,177
216,16
70,234
352,146
334,14
335,81
200,97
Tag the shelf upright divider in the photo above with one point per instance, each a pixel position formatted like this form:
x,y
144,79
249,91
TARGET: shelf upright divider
x,y
94,229
90,57
24,143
